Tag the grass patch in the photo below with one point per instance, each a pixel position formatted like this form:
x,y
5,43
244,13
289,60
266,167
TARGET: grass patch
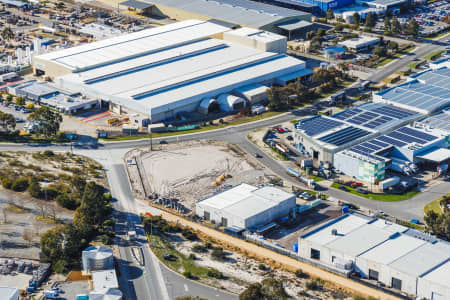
x,y
206,128
416,64
434,205
316,178
46,220
182,264
380,197
293,121
278,154
437,35
434,55
384,62
16,209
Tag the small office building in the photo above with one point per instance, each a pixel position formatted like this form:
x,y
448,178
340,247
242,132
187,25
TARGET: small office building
x,y
362,43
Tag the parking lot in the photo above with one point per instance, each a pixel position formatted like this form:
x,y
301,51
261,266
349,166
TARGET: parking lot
x,y
19,113
68,290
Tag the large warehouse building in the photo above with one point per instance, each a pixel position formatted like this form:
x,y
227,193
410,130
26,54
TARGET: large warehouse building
x,y
238,12
396,256
323,136
246,206
171,69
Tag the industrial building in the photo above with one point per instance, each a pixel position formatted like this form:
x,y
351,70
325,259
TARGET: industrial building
x,y
362,43
45,93
294,4
239,12
100,31
246,207
322,136
369,160
165,71
258,39
440,120
425,92
396,256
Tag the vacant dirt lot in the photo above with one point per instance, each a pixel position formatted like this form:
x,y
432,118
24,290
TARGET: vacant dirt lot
x,y
189,172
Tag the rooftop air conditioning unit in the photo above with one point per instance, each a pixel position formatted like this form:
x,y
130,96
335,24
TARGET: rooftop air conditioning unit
x,y
334,231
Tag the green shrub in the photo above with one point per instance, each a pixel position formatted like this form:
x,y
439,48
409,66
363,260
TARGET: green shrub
x,y
59,266
262,267
192,256
20,184
34,189
300,274
64,200
188,274
50,193
6,183
218,254
48,153
189,235
215,273
106,239
313,285
199,248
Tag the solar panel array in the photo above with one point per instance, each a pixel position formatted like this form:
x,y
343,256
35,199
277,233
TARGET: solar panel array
x,y
441,121
373,115
344,136
415,94
400,137
317,125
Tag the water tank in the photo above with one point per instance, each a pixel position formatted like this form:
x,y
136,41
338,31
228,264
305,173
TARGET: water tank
x,y
97,258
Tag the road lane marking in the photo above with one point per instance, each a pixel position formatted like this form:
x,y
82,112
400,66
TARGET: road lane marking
x,y
186,289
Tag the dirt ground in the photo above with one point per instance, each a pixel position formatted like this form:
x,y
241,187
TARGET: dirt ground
x,y
198,165
246,270
15,226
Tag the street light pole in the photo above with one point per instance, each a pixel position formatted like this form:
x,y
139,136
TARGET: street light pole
x,y
151,123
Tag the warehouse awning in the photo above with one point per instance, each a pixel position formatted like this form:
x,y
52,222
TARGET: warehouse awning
x,y
436,155
282,80
136,4
294,25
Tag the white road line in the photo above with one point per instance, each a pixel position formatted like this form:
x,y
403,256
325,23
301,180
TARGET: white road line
x,y
186,289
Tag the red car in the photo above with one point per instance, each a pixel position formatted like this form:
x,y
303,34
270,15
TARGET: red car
x,y
280,130
354,184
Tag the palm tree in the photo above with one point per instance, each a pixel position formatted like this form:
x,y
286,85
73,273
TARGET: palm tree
x,y
7,34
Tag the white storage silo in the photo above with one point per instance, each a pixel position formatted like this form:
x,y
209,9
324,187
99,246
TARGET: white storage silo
x,y
97,258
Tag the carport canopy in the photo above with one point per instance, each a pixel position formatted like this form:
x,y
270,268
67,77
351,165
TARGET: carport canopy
x,y
436,155
136,4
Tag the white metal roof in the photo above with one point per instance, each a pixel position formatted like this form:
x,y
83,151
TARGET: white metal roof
x,y
245,200
324,236
256,34
362,40
422,259
437,155
104,279
133,44
440,275
359,240
241,12
229,197
392,249
177,75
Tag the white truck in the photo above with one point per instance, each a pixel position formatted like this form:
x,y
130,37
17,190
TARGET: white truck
x,y
409,164
387,183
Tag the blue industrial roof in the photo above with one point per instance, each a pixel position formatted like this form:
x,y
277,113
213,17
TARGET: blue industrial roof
x,y
316,125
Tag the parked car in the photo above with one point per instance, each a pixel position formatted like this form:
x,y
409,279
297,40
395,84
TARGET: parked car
x,y
361,190
414,221
343,187
280,130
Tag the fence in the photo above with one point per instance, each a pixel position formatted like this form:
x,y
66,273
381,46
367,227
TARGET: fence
x,y
255,239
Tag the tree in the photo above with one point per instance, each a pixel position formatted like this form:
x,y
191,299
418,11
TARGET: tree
x,y
356,18
392,45
310,35
379,51
252,292
9,97
74,242
387,24
93,203
34,189
52,244
275,98
370,20
48,120
330,14
7,121
339,27
7,34
66,201
395,26
273,289
218,254
321,32
412,28
60,5
20,101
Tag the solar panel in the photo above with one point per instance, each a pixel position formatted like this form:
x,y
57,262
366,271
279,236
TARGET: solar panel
x,y
364,149
344,136
318,125
365,154
356,121
372,147
424,136
406,138
381,144
393,112
391,141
